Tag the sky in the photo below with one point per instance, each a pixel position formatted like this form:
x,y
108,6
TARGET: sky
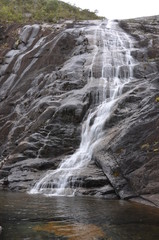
x,y
119,9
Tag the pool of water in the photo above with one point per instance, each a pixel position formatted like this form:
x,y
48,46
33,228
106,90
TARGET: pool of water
x,y
35,217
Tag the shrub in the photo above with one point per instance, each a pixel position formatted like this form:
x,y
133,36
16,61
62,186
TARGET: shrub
x,y
41,10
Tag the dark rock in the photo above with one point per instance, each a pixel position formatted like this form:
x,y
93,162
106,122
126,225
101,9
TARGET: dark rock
x,y
3,174
128,154
46,92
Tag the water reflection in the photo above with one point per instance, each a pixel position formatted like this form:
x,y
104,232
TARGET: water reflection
x,y
40,218
72,231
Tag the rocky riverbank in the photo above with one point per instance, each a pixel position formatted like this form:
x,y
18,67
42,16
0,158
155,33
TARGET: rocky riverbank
x,y
44,99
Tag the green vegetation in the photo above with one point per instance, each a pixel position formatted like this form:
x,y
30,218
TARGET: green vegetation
x,y
22,11
157,99
156,149
145,146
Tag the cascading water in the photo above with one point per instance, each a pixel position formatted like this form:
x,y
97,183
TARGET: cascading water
x,y
113,46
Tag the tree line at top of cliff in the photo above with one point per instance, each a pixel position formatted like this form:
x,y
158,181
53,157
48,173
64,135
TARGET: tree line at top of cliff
x,y
22,11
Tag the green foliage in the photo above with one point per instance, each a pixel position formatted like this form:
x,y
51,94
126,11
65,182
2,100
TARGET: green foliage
x,y
156,150
41,10
116,174
157,99
145,146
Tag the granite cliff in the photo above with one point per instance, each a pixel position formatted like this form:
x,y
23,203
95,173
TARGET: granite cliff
x,y
44,98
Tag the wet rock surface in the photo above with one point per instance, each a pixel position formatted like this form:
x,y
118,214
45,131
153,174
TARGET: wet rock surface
x,y
44,98
129,152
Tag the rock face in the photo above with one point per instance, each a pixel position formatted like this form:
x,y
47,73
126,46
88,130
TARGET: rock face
x,y
129,153
44,98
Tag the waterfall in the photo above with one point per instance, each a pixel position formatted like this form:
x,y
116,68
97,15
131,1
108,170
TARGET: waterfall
x,y
113,46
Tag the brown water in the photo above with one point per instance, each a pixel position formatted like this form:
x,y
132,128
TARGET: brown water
x,y
37,217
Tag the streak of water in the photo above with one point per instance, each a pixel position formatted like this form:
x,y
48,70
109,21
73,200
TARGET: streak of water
x,y
113,46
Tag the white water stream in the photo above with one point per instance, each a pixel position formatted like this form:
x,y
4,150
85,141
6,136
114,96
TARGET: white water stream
x,y
113,45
